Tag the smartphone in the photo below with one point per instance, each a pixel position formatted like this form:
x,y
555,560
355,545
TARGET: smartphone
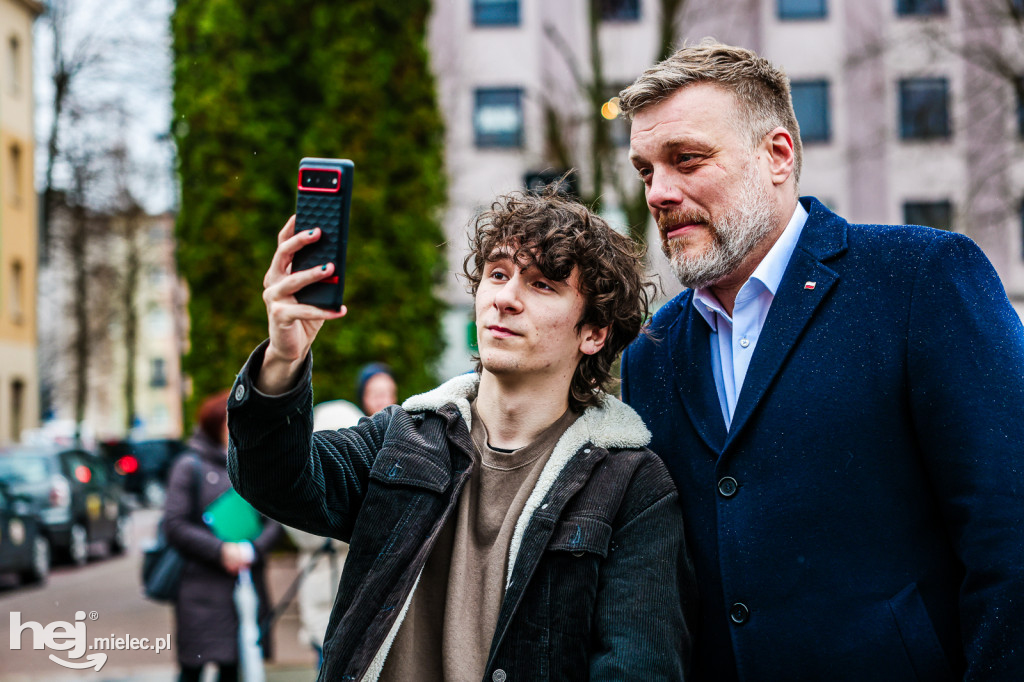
x,y
322,200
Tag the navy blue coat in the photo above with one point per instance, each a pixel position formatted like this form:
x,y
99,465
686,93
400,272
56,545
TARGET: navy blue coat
x,y
873,526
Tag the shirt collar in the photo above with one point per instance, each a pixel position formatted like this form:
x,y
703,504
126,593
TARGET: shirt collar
x,y
768,272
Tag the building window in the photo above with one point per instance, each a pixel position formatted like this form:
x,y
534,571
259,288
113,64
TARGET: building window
x,y
1019,86
937,214
802,9
14,63
498,117
810,102
495,12
919,8
924,108
14,174
17,292
17,409
158,373
619,10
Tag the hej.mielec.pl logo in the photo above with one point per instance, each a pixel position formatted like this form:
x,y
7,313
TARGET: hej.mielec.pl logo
x,y
71,637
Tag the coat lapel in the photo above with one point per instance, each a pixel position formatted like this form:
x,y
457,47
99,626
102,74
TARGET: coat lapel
x,y
694,381
796,301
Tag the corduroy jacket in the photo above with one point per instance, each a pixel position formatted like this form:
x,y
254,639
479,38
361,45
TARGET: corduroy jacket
x,y
599,577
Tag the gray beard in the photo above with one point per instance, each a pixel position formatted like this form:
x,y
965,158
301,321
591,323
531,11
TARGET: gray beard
x,y
734,236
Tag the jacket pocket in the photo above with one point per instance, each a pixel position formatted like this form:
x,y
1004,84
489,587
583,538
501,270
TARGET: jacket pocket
x,y
581,535
563,592
919,638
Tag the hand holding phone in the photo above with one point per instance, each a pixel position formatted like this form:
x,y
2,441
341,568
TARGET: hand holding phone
x,y
322,201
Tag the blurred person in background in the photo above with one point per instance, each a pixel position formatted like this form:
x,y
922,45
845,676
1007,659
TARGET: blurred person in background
x,y
207,622
376,388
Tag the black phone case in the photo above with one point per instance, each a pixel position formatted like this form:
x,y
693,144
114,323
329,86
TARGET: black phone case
x,y
328,210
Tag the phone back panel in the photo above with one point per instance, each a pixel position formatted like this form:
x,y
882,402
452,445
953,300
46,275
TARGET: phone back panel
x,y
328,209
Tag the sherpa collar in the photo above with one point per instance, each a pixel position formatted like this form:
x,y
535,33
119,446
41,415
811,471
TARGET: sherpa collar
x,y
612,424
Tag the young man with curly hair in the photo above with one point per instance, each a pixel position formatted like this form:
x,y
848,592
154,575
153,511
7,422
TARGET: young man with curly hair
x,y
509,524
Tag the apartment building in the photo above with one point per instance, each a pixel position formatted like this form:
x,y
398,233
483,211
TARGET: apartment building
x,y
137,331
910,110
19,385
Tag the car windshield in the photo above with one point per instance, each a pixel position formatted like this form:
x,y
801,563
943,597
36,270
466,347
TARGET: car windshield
x,y
23,469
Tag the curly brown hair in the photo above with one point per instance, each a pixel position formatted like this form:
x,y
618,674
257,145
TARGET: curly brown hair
x,y
558,234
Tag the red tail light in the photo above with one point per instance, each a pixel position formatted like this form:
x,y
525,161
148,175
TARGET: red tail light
x,y
60,491
127,465
83,473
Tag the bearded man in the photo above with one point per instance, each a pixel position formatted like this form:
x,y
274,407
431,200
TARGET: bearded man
x,y
838,404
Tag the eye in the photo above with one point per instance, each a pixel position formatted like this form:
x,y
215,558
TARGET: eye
x,y
541,284
498,275
644,174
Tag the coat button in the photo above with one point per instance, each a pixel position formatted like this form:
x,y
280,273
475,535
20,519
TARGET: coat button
x,y
727,486
739,613
239,392
499,675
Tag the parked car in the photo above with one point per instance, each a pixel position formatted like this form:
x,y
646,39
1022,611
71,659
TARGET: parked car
x,y
143,466
24,548
76,494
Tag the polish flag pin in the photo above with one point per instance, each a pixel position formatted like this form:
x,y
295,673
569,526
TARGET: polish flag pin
x,y
809,285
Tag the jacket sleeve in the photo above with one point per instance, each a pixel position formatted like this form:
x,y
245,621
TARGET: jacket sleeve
x,y
966,377
183,529
312,481
646,595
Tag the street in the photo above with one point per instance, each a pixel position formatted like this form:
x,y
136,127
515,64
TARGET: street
x,y
106,595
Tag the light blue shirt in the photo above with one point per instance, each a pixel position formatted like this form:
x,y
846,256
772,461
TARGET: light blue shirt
x,y
733,339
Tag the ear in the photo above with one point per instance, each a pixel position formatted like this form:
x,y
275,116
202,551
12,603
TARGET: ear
x,y
779,147
592,339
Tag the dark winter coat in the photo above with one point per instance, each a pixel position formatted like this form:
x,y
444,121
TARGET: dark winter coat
x,y
207,624
598,575
861,519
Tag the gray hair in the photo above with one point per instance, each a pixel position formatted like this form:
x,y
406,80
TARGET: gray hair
x,y
761,88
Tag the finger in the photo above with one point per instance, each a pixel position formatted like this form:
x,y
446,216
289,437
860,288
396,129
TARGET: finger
x,y
283,314
285,254
287,231
288,285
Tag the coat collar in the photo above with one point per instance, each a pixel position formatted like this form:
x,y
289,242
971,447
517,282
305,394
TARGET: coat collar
x,y
805,285
824,239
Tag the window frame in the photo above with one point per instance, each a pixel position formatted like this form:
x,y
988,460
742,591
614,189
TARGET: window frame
x,y
481,7
489,140
909,127
785,14
921,8
632,13
826,88
919,205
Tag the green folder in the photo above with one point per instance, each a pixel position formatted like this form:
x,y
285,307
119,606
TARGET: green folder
x,y
232,519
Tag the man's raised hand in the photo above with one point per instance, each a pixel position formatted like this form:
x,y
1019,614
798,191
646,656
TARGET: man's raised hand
x,y
293,325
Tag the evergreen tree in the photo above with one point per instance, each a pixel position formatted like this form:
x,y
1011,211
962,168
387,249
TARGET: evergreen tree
x,y
258,86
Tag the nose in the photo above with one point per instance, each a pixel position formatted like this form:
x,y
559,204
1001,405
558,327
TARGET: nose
x,y
508,298
665,191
